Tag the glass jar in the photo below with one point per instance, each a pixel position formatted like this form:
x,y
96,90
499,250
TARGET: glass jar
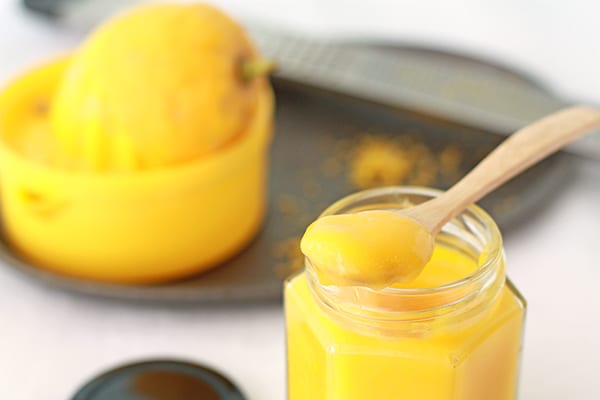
x,y
454,335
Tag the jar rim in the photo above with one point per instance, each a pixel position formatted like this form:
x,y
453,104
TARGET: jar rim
x,y
493,254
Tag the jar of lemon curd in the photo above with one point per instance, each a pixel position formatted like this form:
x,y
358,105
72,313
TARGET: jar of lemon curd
x,y
454,333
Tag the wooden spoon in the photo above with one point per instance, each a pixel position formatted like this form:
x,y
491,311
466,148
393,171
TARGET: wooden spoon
x,y
377,248
520,151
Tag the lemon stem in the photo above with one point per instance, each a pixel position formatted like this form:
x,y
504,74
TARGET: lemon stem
x,y
254,68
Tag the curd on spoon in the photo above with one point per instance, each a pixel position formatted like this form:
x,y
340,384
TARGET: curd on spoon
x,y
371,248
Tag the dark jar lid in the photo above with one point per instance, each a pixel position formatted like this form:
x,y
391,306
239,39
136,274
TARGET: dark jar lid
x,y
160,380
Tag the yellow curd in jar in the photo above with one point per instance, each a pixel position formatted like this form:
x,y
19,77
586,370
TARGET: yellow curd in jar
x,y
453,332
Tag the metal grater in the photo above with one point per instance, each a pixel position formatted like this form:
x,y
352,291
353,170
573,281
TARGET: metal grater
x,y
431,83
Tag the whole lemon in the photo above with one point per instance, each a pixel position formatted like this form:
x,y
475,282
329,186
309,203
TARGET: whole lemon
x,y
160,85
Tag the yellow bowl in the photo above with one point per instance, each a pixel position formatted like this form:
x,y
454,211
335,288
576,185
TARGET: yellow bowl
x,y
145,226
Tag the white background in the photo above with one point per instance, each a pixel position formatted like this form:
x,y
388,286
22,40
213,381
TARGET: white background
x,y
50,342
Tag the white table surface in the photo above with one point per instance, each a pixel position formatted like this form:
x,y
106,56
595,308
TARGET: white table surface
x,y
50,342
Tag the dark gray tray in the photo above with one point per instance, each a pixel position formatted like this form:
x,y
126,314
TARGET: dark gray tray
x,y
309,123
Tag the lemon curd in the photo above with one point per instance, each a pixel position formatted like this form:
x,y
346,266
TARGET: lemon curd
x,y
452,333
375,248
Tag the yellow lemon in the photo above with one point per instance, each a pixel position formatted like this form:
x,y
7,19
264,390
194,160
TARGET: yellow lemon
x,y
159,85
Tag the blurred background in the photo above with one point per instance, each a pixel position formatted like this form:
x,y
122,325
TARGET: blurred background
x,y
51,341
553,40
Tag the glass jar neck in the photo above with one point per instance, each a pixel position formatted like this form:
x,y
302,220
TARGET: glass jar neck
x,y
415,311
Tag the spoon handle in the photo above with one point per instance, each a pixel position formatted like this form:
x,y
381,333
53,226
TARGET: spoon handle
x,y
520,151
